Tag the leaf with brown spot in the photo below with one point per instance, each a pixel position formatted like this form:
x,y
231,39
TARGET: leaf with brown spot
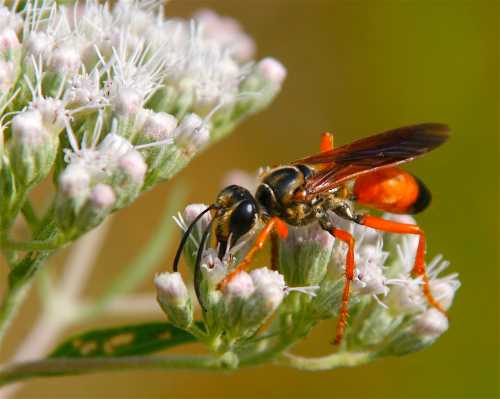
x,y
128,340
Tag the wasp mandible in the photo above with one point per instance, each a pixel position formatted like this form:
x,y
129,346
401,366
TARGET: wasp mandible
x,y
365,172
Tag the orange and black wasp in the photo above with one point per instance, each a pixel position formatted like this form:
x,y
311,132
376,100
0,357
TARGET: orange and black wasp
x,y
365,172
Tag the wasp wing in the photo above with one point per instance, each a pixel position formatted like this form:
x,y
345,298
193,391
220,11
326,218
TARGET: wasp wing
x,y
371,153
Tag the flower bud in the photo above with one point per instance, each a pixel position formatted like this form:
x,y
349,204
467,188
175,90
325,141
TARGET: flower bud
x,y
114,147
443,289
272,71
33,148
267,296
173,297
98,205
192,134
227,32
304,255
52,112
426,328
73,191
156,126
127,102
236,294
265,81
128,178
431,323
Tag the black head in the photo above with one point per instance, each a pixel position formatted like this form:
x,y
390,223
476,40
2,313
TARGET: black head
x,y
236,215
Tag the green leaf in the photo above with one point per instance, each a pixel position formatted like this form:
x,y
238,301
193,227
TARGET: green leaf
x,y
123,341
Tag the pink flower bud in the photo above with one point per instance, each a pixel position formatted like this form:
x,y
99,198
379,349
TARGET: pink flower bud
x,y
133,164
272,70
102,196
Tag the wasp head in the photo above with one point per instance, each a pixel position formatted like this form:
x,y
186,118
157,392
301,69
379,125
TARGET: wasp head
x,y
236,215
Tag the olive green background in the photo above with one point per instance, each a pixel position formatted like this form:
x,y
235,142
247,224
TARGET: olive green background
x,y
355,68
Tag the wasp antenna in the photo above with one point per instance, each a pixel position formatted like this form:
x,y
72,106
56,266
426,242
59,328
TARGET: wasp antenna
x,y
186,236
197,267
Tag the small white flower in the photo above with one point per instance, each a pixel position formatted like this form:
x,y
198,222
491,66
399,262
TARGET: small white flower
x,y
65,59
213,268
74,181
28,128
185,219
39,44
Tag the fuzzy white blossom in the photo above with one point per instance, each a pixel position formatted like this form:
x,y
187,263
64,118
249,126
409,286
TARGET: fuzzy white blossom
x,y
112,99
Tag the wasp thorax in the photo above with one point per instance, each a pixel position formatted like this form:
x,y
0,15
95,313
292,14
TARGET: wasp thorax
x,y
236,215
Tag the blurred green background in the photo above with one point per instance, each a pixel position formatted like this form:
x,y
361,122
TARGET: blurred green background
x,y
355,68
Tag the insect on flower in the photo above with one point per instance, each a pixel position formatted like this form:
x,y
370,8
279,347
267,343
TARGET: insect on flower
x,y
365,172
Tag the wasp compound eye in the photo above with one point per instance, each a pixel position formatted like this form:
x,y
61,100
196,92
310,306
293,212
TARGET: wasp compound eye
x,y
243,218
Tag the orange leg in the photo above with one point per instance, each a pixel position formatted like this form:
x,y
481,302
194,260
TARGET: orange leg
x,y
273,224
419,266
326,142
349,276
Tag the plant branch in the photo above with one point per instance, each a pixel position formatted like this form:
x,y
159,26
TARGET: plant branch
x,y
35,245
29,214
65,366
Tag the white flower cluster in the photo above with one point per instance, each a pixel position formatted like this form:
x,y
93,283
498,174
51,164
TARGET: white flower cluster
x,y
390,313
117,98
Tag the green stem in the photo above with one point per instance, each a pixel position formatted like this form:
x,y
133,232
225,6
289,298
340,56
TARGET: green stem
x,y
21,276
30,214
330,362
47,245
20,279
62,366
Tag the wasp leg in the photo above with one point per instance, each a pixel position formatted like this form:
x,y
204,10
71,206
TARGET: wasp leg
x,y
273,224
419,266
326,143
274,251
349,276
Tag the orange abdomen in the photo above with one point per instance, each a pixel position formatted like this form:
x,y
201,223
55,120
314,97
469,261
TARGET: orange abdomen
x,y
392,190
